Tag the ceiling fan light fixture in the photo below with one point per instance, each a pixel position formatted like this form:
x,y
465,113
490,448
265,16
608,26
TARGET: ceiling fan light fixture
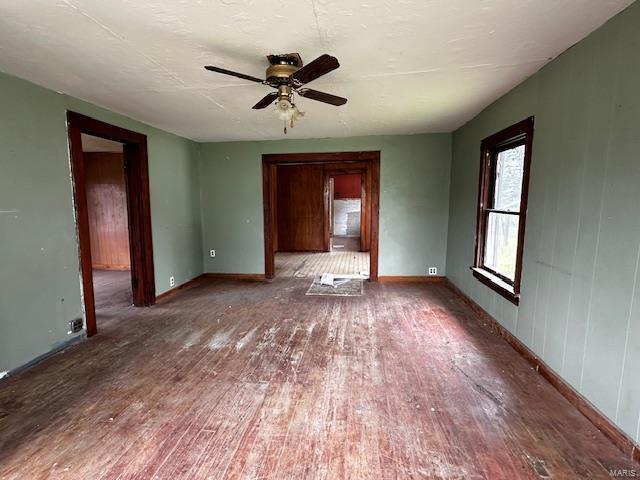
x,y
283,106
288,112
294,115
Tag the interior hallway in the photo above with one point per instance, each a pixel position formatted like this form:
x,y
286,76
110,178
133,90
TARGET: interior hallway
x,y
245,380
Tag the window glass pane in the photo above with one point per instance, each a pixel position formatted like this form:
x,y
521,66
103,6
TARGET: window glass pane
x,y
508,181
502,243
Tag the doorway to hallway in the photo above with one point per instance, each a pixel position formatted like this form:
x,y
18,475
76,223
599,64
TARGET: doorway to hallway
x,y
308,231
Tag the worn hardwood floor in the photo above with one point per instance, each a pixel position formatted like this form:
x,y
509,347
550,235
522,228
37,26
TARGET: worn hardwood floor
x,y
345,257
345,244
112,288
258,381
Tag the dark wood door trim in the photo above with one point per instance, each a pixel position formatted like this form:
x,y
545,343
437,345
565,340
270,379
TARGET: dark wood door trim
x,y
324,157
367,162
363,218
138,209
326,218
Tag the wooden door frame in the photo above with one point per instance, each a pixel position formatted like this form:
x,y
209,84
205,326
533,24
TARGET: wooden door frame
x,y
330,214
138,209
367,162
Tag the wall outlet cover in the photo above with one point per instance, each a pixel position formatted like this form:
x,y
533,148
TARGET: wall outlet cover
x,y
75,325
433,270
172,281
212,253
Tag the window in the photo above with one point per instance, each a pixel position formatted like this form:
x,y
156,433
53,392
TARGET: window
x,y
502,207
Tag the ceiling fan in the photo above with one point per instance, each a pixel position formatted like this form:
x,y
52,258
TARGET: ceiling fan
x,y
288,75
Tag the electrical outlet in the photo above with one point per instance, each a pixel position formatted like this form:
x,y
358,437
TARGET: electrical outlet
x,y
433,270
172,281
75,325
212,253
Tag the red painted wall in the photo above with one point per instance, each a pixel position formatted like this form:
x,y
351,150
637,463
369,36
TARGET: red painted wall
x,y
346,186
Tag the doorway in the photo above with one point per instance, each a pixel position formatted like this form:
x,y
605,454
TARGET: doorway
x,y
345,212
109,168
301,214
108,224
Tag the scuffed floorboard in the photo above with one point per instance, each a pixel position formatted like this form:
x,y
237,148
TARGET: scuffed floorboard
x,y
314,264
111,288
231,380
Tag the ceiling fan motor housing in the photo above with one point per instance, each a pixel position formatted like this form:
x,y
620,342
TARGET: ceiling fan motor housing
x,y
284,92
281,67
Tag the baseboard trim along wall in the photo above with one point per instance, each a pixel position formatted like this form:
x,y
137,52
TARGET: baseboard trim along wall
x,y
411,279
183,286
625,443
57,349
248,277
103,266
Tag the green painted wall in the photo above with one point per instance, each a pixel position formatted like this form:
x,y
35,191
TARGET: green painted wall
x,y
39,274
580,306
414,200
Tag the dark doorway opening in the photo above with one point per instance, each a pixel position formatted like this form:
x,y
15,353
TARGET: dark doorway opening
x,y
345,212
111,194
296,220
108,225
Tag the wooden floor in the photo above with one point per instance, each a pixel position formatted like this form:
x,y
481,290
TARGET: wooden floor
x,y
111,288
258,381
345,244
344,257
113,296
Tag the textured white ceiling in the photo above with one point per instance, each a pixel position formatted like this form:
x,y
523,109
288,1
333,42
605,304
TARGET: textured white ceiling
x,y
407,66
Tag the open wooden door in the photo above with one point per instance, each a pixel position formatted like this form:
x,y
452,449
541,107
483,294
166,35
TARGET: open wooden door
x,y
300,207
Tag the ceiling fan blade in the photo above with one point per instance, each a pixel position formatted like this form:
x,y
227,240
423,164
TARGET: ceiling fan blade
x,y
322,97
320,66
267,100
233,74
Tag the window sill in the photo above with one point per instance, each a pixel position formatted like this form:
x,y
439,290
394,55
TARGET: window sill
x,y
497,285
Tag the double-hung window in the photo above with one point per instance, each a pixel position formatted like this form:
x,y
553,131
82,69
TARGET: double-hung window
x,y
502,208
